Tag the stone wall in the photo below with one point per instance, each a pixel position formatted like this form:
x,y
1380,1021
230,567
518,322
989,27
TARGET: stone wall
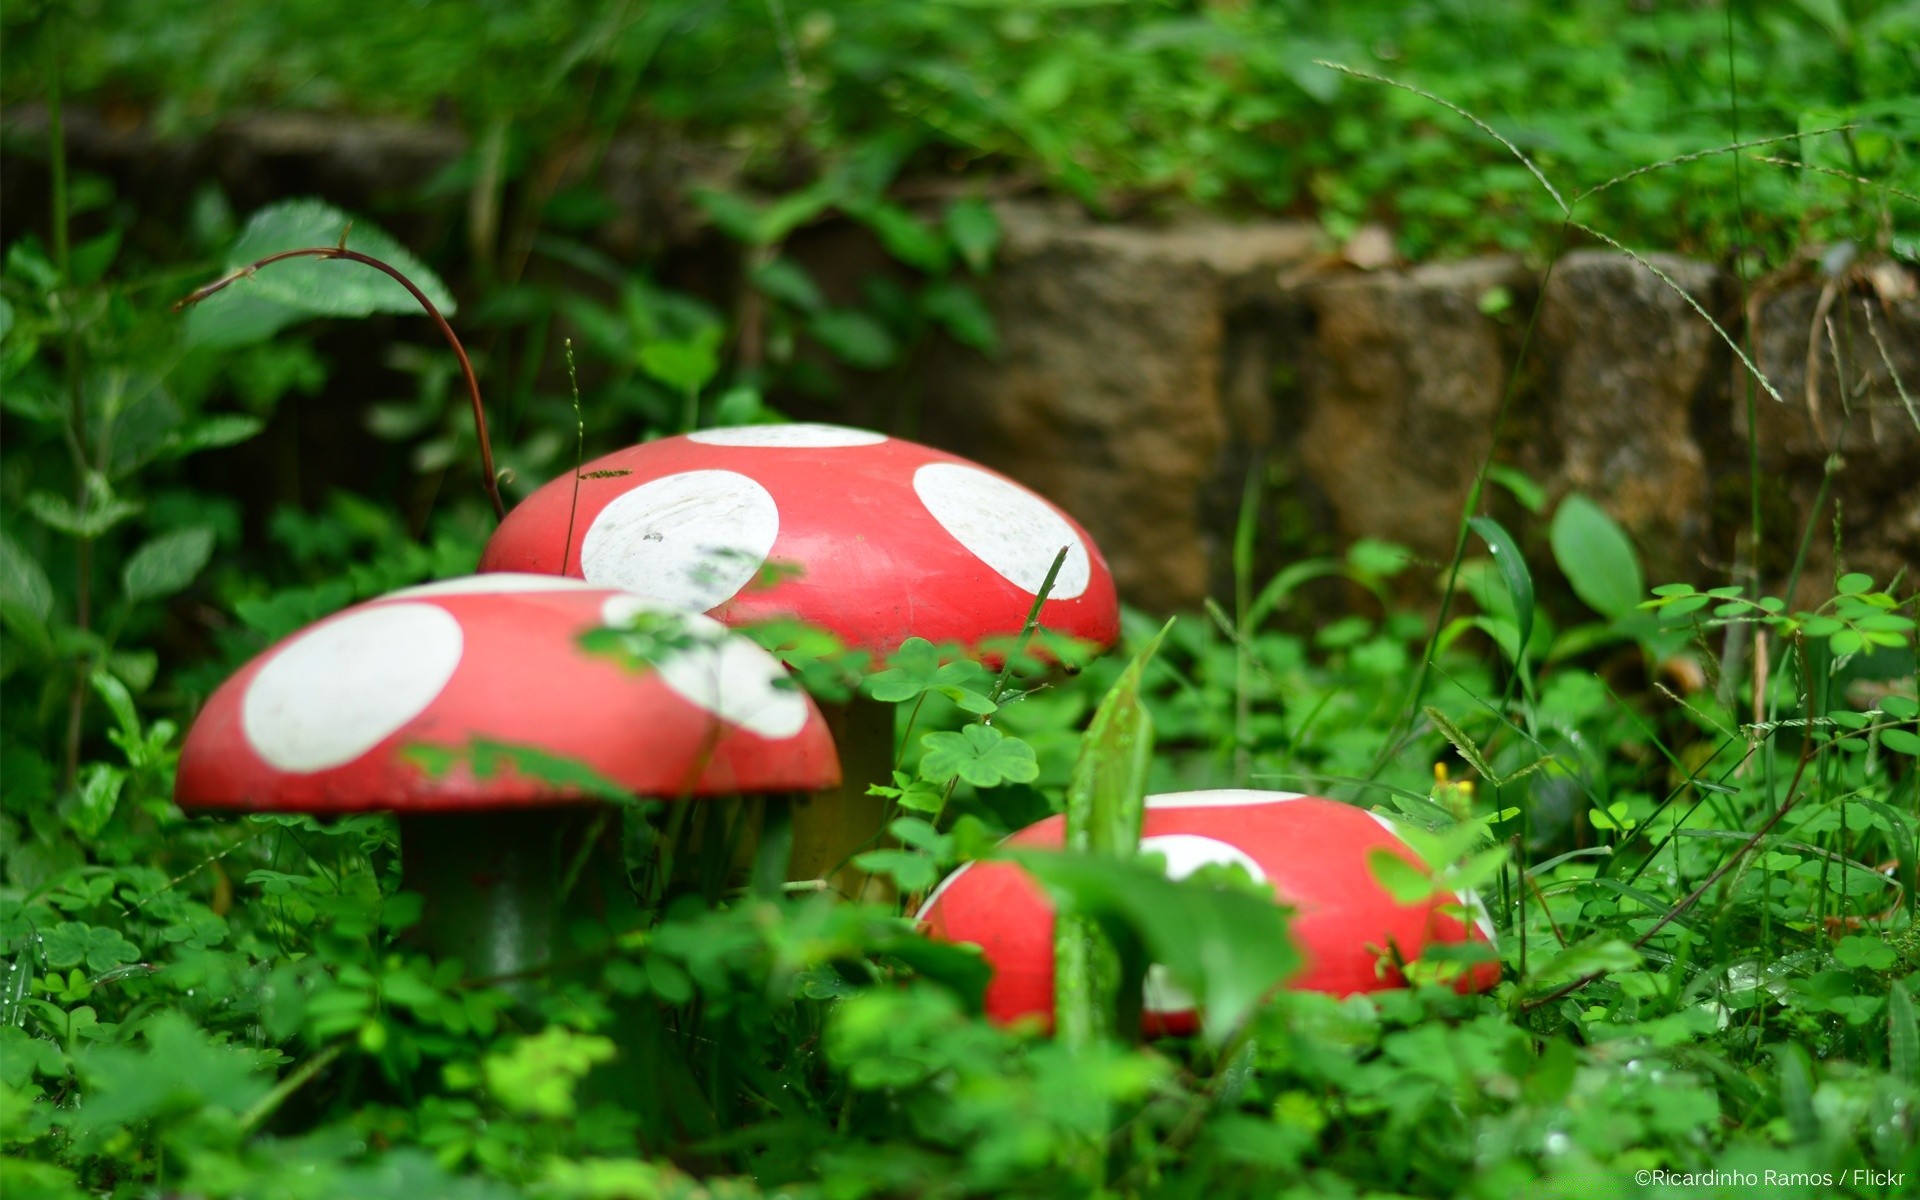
x,y
1148,369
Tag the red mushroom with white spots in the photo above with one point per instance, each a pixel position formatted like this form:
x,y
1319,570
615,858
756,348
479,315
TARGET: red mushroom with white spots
x,y
871,537
1312,851
343,716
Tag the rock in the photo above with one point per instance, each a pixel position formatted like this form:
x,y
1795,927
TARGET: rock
x,y
1869,432
1402,379
1107,396
1626,360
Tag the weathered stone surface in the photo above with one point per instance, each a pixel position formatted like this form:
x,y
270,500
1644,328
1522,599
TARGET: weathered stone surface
x,y
1107,396
1401,383
1853,414
1625,360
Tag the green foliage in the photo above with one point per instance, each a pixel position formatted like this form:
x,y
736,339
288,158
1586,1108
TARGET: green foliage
x,y
1704,893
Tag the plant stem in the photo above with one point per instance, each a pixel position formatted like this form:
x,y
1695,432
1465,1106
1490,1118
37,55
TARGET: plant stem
x,y
298,1078
489,479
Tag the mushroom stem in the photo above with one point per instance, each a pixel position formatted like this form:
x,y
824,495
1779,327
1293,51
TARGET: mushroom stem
x,y
496,886
832,825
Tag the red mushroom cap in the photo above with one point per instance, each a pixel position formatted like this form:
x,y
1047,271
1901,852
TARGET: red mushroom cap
x,y
1313,851
322,721
891,539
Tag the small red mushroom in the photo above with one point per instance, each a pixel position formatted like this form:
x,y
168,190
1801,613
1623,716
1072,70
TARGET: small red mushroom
x,y
871,537
332,720
1312,851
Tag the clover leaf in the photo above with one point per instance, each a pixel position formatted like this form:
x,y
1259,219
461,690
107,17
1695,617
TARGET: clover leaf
x,y
916,669
979,754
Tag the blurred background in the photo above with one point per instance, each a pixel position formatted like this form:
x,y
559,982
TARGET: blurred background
x,y
1154,259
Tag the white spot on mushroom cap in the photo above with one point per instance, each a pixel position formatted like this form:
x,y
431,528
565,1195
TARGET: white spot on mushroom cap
x,y
1220,798
691,539
722,672
1186,853
339,690
1005,526
800,435
493,583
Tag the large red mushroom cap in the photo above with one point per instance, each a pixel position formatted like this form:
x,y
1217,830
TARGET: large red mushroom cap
x,y
1312,851
887,539
323,721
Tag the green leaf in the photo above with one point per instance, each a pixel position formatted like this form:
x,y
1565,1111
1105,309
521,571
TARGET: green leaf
x,y
212,433
1901,741
1531,496
1903,1037
166,564
1796,1092
785,281
72,943
684,366
1513,570
103,510
959,310
979,754
1106,805
1864,952
904,235
94,799
910,869
536,1076
916,669
91,258
1853,583
328,287
23,581
1404,881
855,337
975,232
1596,556
1227,946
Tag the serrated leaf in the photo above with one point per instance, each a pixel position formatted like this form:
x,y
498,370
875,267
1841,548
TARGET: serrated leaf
x,y
329,287
104,510
212,433
1596,556
166,564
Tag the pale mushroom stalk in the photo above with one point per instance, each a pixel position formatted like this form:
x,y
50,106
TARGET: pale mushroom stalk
x,y
832,826
497,888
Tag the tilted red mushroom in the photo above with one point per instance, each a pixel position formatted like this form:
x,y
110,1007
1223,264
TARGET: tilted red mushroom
x,y
1312,851
334,719
887,540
